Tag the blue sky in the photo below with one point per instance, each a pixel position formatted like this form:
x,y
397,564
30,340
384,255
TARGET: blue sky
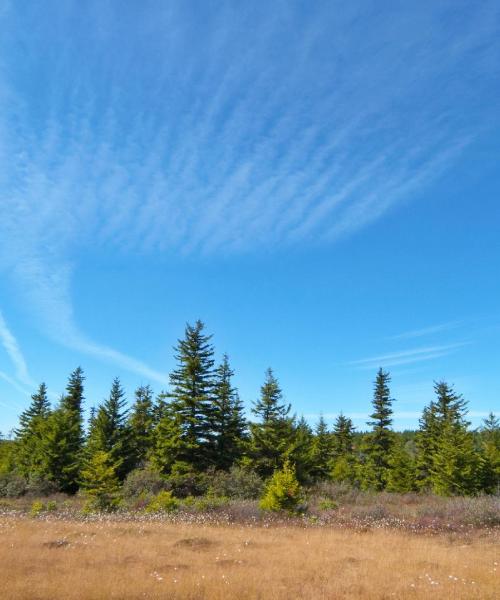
x,y
317,181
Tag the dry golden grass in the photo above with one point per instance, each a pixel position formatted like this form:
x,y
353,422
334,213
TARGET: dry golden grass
x,y
44,559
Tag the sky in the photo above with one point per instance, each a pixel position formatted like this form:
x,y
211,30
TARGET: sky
x,y
317,181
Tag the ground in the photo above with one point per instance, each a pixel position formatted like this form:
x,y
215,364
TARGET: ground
x,y
49,558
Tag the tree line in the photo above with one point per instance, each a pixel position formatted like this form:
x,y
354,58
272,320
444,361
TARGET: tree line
x,y
199,426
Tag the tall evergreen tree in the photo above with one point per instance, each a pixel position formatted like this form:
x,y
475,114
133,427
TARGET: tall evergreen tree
x,y
272,436
401,472
141,423
447,461
63,440
228,422
343,463
490,455
321,450
192,394
379,443
29,451
110,432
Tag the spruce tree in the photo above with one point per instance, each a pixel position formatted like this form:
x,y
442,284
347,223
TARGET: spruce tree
x,y
192,394
378,444
110,432
141,424
447,462
272,436
343,463
29,452
401,473
63,438
228,422
168,449
299,451
321,451
100,482
490,455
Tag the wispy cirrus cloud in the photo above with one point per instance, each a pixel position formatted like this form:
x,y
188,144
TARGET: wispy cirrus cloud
x,y
427,331
259,136
13,350
407,357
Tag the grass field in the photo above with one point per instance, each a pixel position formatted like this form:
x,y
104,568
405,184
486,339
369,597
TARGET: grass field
x,y
51,559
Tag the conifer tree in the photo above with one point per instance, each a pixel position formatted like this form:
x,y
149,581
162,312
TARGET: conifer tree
x,y
192,394
110,432
61,454
228,422
378,444
490,455
401,473
100,482
169,443
321,450
343,462
299,451
63,436
141,424
272,436
447,461
29,451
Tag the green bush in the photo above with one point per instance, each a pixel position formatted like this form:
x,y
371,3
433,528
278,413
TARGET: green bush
x,y
163,502
141,482
283,491
51,505
12,485
239,483
327,504
36,508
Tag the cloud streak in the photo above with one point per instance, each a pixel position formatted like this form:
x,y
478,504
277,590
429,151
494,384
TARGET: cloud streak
x,y
407,357
14,352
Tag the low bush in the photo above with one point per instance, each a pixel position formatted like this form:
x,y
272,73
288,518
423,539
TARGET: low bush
x,y
283,492
36,508
142,482
164,501
237,483
12,485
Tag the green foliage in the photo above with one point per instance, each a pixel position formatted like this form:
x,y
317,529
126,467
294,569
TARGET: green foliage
x,y
100,482
12,485
283,491
273,437
141,425
37,507
110,432
228,423
328,504
401,473
191,396
321,451
163,502
238,482
143,482
378,445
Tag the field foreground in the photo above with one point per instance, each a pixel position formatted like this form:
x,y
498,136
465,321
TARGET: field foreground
x,y
51,559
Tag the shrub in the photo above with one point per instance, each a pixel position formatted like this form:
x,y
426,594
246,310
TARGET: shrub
x,y
36,508
239,483
163,502
142,482
51,505
40,486
327,504
12,485
183,485
283,491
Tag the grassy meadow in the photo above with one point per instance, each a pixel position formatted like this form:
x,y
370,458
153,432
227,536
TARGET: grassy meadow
x,y
395,547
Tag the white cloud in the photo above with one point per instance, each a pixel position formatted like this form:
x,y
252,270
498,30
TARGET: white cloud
x,y
13,350
407,356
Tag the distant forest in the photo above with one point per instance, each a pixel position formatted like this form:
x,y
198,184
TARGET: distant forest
x,y
198,429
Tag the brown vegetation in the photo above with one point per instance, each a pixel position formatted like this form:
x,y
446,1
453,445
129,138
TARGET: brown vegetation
x,y
52,558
